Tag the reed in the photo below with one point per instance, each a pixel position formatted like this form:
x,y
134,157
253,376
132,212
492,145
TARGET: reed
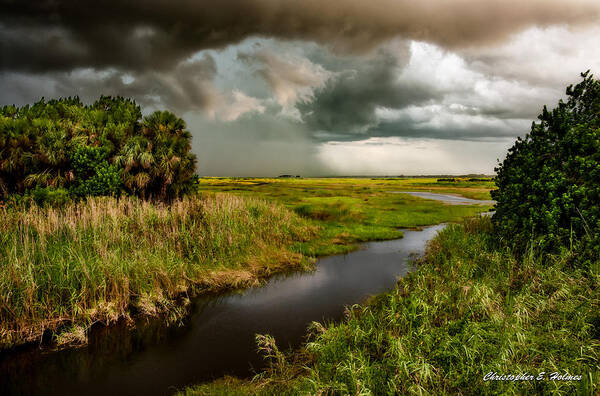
x,y
106,258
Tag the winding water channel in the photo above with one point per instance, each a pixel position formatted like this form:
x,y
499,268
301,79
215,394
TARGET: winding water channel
x,y
218,337
446,198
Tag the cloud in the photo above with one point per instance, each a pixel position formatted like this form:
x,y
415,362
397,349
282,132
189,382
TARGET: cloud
x,y
543,57
347,103
239,104
270,86
188,87
394,156
290,78
158,34
430,92
447,123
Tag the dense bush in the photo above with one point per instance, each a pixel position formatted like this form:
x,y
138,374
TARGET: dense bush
x,y
93,175
49,196
549,183
63,147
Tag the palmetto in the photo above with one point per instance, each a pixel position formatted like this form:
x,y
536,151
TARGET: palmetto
x,y
38,144
174,165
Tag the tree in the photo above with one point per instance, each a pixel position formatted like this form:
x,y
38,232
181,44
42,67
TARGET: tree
x,y
549,183
174,165
105,148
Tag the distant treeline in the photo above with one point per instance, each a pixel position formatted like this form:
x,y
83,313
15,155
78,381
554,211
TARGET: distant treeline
x,y
61,149
471,179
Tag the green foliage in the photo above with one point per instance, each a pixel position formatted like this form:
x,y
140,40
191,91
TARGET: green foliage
x,y
158,162
549,183
50,196
101,149
94,176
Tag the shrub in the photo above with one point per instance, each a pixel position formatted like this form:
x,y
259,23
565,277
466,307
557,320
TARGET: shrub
x,y
93,175
100,149
49,196
549,183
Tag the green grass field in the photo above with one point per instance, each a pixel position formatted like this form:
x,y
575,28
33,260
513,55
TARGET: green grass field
x,y
62,269
351,210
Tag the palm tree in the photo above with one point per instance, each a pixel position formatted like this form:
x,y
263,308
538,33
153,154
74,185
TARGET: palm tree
x,y
174,164
136,159
16,157
48,143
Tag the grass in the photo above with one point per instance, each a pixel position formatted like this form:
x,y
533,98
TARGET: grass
x,y
63,269
106,259
353,210
290,190
471,308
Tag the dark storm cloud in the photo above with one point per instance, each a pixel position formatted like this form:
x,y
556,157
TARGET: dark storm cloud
x,y
466,129
255,145
157,34
348,102
188,86
372,97
472,131
309,85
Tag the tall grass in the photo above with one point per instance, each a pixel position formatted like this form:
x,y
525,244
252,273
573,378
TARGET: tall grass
x,y
104,259
471,308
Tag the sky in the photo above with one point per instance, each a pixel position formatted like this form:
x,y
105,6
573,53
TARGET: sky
x,y
312,88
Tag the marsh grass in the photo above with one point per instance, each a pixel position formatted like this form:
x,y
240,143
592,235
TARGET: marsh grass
x,y
470,308
105,259
63,269
353,210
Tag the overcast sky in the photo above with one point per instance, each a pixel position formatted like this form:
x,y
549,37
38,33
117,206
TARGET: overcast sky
x,y
345,87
